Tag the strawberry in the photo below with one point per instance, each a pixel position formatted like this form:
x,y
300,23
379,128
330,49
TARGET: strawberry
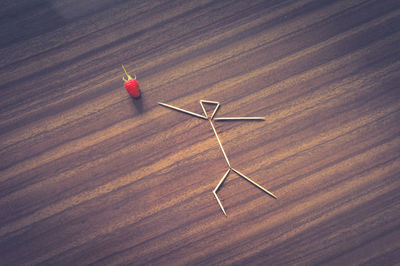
x,y
131,85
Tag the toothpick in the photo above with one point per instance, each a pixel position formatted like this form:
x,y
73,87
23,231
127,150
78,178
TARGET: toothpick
x,y
204,109
207,101
222,180
182,110
254,183
219,142
211,102
240,118
215,111
220,204
216,189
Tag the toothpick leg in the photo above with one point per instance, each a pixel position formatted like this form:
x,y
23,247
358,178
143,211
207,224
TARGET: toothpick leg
x,y
254,183
217,187
182,110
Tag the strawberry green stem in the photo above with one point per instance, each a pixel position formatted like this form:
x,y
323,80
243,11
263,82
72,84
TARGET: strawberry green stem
x,y
129,77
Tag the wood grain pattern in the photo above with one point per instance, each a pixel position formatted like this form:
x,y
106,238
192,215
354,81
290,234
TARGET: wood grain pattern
x,y
90,176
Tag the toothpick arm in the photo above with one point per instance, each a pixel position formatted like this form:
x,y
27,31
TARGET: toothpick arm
x,y
182,110
239,118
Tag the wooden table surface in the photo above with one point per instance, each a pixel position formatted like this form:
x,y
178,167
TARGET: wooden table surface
x,y
92,176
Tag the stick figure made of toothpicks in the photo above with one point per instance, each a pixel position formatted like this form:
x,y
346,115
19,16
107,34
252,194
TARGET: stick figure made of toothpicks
x,y
210,119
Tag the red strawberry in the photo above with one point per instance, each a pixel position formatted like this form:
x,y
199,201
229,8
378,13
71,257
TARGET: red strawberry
x,y
131,85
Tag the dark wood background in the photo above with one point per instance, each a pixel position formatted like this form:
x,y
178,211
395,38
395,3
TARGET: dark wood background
x,y
89,175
